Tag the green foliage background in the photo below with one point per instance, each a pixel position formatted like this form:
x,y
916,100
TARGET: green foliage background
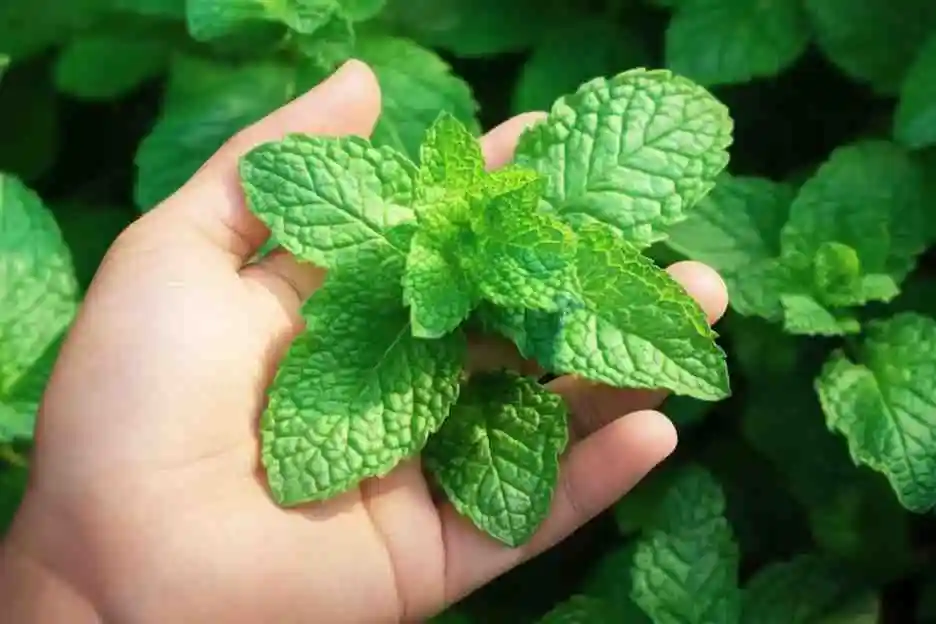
x,y
786,508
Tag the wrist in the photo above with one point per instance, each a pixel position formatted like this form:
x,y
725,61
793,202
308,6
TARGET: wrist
x,y
31,592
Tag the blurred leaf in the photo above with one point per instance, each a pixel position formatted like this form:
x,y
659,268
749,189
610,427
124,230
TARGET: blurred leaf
x,y
13,481
574,52
472,28
107,67
206,104
29,136
415,84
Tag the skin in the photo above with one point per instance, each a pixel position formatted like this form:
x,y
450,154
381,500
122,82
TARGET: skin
x,y
147,502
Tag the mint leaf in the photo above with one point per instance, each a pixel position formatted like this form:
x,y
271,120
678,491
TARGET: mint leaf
x,y
873,41
722,42
497,455
173,9
736,231
915,117
28,27
38,290
439,294
325,198
471,28
610,581
106,67
799,591
19,403
356,393
646,146
207,102
572,52
361,10
13,483
579,609
415,85
330,44
686,565
29,140
881,400
802,314
212,19
450,156
868,196
637,328
523,258
17,420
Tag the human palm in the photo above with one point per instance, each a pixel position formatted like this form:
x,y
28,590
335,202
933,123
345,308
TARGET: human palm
x,y
148,499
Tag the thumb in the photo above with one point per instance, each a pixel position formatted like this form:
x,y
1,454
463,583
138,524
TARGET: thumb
x,y
211,207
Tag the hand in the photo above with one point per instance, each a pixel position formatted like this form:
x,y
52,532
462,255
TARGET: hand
x,y
148,503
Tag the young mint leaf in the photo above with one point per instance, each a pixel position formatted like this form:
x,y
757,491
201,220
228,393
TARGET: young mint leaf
x,y
330,44
325,199
450,156
356,393
572,52
497,455
867,196
873,41
38,289
799,591
522,258
637,328
735,230
106,67
579,609
731,41
439,294
415,85
213,19
880,400
686,565
207,102
633,152
915,117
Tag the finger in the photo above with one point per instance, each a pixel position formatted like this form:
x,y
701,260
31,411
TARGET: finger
x,y
594,474
209,211
292,281
594,405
